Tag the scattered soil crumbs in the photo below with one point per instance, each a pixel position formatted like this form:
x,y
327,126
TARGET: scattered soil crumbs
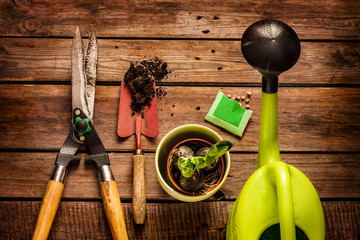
x,y
160,93
140,78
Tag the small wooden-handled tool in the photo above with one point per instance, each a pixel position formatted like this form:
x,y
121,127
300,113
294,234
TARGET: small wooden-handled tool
x,y
139,195
82,132
145,123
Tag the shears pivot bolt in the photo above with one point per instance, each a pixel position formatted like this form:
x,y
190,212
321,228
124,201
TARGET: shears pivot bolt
x,y
82,126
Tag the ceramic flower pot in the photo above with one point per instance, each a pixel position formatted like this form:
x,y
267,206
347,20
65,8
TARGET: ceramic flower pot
x,y
175,138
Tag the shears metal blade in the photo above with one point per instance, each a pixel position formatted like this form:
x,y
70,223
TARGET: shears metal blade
x,y
83,73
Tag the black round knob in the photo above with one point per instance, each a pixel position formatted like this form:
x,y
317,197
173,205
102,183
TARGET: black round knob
x,y
81,125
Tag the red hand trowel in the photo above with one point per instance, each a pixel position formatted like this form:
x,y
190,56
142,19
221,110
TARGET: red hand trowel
x,y
145,123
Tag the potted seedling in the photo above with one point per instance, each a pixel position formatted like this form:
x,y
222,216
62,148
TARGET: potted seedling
x,y
195,166
192,162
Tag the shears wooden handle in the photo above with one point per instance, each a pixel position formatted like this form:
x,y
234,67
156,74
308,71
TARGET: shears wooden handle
x,y
49,206
112,203
50,202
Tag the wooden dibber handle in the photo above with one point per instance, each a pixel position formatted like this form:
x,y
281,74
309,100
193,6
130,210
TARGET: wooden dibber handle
x,y
49,206
139,197
114,212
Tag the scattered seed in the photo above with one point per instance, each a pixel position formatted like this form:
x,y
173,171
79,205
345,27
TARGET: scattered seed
x,y
249,94
247,100
229,95
247,106
242,98
238,98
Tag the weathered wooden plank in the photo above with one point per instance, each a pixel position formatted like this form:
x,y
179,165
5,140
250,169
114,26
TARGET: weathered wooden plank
x,y
205,220
348,214
311,119
189,61
177,19
25,175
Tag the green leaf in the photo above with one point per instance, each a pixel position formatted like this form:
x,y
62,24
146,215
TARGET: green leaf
x,y
197,160
217,150
188,166
212,152
181,162
187,172
222,147
200,162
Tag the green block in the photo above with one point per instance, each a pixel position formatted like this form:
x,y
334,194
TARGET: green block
x,y
228,114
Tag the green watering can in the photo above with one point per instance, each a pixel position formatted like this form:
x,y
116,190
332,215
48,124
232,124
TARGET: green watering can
x,y
278,201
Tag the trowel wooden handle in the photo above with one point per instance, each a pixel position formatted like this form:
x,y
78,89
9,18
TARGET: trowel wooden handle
x,y
114,212
139,197
49,206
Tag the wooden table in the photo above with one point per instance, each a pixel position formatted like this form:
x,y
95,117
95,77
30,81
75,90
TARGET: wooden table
x,y
319,107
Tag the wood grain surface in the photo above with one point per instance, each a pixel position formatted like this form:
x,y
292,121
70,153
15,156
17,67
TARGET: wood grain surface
x,y
310,118
139,190
177,19
87,220
333,175
319,107
195,61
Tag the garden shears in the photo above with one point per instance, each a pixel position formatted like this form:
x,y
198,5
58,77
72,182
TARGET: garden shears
x,y
82,132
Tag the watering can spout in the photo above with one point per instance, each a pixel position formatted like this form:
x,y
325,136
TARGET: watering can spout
x,y
269,140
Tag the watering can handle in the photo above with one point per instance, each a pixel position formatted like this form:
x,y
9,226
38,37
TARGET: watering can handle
x,y
285,200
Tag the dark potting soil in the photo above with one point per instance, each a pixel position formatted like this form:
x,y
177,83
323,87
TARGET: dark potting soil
x,y
160,92
140,79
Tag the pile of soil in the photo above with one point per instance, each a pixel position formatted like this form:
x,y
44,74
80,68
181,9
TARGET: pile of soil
x,y
140,79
